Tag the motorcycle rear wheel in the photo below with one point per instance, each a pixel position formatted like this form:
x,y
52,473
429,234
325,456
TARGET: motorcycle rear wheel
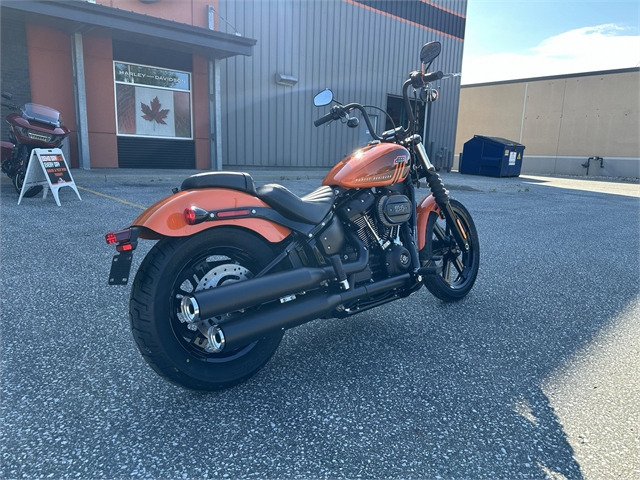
x,y
175,267
459,269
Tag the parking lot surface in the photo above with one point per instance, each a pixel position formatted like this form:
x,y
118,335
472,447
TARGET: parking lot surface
x,y
533,375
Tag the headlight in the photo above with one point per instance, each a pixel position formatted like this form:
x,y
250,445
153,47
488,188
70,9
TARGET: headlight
x,y
42,137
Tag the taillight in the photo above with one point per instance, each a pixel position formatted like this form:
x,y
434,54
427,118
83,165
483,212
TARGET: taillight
x,y
126,240
195,215
233,213
116,237
190,216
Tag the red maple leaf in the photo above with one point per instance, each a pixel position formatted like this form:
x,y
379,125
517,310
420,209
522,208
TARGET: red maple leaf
x,y
152,111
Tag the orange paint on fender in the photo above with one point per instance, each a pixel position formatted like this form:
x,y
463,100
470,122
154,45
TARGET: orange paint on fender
x,y
423,210
166,217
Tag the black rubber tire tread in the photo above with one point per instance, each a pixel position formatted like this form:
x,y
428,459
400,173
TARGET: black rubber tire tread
x,y
18,180
149,313
435,283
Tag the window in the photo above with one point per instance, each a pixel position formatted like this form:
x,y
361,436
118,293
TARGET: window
x,y
397,111
152,102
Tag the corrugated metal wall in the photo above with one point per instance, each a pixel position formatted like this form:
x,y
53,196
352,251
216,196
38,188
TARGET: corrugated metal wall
x,y
360,53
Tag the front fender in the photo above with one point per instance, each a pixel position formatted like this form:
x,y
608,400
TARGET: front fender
x,y
166,217
425,208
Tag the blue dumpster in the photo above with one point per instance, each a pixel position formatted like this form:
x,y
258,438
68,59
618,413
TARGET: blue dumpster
x,y
491,157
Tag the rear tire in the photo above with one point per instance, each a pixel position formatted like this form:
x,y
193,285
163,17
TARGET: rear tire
x,y
459,269
175,267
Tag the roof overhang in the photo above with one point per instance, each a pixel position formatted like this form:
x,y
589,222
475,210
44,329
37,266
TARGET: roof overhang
x,y
85,17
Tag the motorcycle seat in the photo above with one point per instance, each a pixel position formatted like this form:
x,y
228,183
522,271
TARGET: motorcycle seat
x,y
311,208
233,180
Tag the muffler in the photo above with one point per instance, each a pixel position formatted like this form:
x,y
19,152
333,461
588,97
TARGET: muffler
x,y
230,298
249,327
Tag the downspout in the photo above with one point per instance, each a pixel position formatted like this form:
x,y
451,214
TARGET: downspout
x,y
215,114
524,107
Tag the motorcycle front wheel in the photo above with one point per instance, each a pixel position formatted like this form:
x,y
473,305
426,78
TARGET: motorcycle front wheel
x,y
459,269
176,267
18,181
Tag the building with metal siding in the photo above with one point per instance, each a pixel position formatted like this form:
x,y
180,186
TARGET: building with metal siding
x,y
362,50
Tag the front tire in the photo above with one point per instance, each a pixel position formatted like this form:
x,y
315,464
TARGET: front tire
x,y
18,181
20,173
179,266
459,269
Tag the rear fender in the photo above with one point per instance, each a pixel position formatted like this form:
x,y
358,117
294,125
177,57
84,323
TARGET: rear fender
x,y
423,211
166,217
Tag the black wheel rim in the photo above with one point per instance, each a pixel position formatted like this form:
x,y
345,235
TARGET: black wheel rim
x,y
457,266
18,180
187,281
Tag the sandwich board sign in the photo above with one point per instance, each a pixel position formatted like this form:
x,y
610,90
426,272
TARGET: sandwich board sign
x,y
48,167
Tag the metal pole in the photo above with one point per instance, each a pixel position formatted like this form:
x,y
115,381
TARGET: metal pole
x,y
524,106
80,94
215,113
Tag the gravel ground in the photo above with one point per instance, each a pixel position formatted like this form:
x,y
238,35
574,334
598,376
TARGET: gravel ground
x,y
533,375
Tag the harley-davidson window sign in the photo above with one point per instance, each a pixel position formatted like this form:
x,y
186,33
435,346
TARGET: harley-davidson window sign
x,y
152,102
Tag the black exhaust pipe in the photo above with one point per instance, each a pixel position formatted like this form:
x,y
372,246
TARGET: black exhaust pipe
x,y
230,298
240,331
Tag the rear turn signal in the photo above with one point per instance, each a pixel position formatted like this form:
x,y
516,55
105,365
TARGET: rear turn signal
x,y
190,216
116,237
195,215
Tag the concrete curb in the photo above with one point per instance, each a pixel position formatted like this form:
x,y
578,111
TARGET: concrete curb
x,y
453,181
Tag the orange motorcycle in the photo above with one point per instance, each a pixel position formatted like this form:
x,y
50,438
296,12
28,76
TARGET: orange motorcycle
x,y
235,265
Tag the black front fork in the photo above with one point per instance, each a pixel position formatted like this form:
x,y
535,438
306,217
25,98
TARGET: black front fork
x,y
439,193
442,199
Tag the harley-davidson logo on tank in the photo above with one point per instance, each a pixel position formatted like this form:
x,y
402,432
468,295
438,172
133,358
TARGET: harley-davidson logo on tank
x,y
372,166
152,102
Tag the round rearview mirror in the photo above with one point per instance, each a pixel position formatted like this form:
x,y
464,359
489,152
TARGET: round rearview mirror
x,y
323,98
430,51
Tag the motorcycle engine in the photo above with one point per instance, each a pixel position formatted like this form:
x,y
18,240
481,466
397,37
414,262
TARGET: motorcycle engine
x,y
376,218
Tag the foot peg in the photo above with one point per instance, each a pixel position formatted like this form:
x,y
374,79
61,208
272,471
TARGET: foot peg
x,y
430,270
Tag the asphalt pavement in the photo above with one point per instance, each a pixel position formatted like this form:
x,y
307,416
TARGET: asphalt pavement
x,y
533,375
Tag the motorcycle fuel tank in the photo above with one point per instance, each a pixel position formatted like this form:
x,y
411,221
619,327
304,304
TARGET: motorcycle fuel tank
x,y
376,165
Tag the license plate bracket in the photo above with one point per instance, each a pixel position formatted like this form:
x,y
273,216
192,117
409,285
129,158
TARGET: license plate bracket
x,y
120,268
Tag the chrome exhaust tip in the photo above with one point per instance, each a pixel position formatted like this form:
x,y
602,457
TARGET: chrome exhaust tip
x,y
190,309
216,340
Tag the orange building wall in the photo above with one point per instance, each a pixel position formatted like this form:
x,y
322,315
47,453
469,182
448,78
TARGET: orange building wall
x,y
51,76
193,12
101,117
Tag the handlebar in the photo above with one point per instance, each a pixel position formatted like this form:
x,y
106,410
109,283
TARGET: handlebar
x,y
340,111
326,118
416,80
431,77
